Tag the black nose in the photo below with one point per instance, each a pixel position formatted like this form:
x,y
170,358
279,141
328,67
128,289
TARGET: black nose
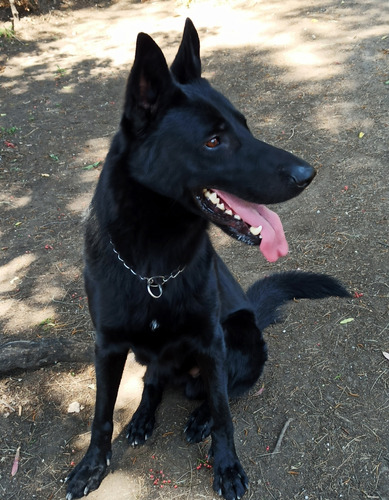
x,y
302,175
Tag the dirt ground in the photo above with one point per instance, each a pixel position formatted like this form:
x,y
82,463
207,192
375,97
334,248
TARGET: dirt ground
x,y
312,77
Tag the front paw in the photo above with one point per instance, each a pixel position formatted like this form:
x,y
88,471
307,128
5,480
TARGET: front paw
x,y
140,428
230,480
88,474
199,425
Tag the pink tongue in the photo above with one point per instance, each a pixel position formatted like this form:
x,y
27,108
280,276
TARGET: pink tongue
x,y
273,244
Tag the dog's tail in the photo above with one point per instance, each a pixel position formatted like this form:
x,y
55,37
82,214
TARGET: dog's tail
x,y
269,294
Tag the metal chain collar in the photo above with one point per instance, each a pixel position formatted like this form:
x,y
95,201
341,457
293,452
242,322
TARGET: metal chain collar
x,y
153,282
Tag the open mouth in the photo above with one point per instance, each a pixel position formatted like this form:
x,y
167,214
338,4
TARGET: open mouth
x,y
251,223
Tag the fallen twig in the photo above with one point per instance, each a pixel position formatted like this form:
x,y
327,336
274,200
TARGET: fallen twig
x,y
15,14
7,405
277,448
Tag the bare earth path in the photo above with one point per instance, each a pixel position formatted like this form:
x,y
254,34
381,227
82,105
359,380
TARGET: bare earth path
x,y
311,77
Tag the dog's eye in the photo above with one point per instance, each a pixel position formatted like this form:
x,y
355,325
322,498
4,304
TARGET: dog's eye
x,y
213,143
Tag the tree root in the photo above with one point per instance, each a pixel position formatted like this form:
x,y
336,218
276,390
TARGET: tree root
x,y
30,355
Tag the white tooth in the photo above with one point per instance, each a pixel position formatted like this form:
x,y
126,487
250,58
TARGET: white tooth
x,y
255,230
221,206
214,198
237,217
229,212
207,193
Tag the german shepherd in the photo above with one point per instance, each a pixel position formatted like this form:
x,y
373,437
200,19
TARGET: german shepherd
x,y
184,156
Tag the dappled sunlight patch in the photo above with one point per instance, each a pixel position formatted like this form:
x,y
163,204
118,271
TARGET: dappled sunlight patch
x,y
50,292
302,57
305,63
22,87
6,307
282,40
335,116
124,484
98,145
80,203
12,202
228,24
131,386
14,271
308,47
18,315
130,390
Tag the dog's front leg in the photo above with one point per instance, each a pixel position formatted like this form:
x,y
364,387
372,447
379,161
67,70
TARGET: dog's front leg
x,y
89,473
142,423
230,479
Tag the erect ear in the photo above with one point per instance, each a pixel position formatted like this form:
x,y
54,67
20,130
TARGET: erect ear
x,y
149,85
187,64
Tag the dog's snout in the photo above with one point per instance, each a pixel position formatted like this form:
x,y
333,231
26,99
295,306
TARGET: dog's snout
x,y
302,175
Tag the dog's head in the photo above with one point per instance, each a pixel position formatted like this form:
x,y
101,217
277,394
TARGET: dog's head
x,y
189,143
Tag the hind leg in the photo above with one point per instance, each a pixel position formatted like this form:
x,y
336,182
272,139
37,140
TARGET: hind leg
x,y
142,423
246,357
246,352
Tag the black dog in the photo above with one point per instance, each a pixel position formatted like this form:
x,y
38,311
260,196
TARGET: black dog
x,y
184,156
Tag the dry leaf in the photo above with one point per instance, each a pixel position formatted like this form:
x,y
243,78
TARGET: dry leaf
x,y
347,320
15,465
259,393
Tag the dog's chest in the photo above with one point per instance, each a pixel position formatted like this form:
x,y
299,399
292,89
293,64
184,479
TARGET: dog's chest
x,y
169,337
166,346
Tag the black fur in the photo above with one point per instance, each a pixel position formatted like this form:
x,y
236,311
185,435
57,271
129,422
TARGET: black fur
x,y
149,218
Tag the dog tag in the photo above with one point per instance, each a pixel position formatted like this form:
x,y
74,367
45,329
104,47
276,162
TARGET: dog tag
x,y
154,324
